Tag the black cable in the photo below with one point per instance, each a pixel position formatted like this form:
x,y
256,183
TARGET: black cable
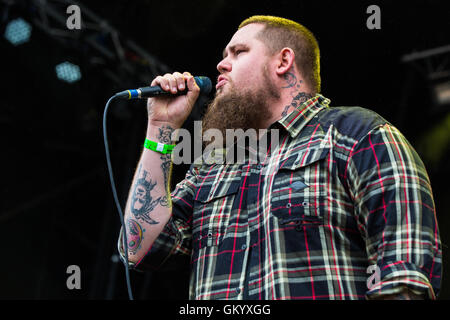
x,y
116,199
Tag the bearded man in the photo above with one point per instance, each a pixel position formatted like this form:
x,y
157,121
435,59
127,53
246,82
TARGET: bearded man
x,y
340,208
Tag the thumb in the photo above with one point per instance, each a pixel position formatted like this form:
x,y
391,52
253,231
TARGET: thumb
x,y
193,89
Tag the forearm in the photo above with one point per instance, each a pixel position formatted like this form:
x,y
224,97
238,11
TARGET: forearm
x,y
149,207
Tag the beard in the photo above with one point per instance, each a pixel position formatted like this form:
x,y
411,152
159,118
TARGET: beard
x,y
240,109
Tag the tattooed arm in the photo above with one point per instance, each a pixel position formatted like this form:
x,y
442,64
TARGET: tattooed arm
x,y
148,208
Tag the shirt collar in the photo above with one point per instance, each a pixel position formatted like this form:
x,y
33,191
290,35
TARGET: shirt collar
x,y
293,122
303,113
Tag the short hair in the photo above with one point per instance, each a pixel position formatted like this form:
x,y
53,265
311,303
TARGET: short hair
x,y
279,33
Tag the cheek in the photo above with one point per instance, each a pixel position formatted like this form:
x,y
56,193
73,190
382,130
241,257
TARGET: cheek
x,y
246,73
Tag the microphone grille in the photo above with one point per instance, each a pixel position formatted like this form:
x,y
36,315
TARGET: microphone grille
x,y
204,83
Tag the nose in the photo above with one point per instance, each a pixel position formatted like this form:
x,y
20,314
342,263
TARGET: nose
x,y
224,66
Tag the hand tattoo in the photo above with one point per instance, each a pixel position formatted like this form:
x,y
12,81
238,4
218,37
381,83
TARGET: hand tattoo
x,y
165,134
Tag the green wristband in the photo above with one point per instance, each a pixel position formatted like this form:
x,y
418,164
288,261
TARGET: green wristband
x,y
159,147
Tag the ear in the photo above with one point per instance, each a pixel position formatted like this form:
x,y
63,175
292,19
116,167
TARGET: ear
x,y
285,61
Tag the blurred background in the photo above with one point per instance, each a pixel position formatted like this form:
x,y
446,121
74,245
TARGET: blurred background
x,y
56,206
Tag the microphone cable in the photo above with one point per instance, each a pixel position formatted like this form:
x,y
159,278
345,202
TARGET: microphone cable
x,y
116,198
205,87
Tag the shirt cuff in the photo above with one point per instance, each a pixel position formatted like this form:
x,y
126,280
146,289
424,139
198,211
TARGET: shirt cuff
x,y
396,276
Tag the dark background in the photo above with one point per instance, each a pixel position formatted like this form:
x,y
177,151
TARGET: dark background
x,y
56,204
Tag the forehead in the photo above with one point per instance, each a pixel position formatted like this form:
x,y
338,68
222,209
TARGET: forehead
x,y
246,35
247,32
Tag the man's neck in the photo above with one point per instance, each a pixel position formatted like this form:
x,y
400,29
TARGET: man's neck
x,y
293,92
285,106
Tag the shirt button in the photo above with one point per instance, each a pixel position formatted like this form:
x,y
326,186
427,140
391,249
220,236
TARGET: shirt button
x,y
259,167
238,290
305,204
297,185
288,205
244,247
210,235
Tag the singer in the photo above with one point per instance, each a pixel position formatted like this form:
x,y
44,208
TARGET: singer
x,y
342,193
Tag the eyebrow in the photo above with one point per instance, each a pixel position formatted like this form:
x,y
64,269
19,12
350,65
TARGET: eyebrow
x,y
233,48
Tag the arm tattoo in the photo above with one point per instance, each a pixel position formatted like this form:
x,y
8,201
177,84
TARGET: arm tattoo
x,y
142,202
165,136
296,101
135,235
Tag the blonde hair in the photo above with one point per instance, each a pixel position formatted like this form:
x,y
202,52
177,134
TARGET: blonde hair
x,y
279,33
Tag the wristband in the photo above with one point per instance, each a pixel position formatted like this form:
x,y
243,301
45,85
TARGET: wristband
x,y
159,147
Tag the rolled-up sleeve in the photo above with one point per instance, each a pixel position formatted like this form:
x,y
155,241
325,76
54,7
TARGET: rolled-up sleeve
x,y
396,214
175,238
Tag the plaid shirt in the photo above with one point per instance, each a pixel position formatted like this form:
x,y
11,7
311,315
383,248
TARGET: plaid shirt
x,y
342,192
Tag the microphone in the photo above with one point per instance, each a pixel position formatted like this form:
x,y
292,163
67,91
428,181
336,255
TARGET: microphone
x,y
146,92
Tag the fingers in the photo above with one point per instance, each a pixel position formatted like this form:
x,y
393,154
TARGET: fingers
x,y
175,82
192,85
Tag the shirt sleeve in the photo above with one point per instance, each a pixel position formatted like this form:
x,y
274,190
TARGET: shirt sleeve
x,y
395,211
175,239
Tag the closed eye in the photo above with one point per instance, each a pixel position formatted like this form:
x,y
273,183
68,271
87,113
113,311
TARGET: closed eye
x,y
235,50
238,52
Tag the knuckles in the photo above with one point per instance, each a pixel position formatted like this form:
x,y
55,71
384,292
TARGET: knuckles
x,y
175,81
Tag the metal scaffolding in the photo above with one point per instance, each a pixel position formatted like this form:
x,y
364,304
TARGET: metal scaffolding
x,y
124,62
123,56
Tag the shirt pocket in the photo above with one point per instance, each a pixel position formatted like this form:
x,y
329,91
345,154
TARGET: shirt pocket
x,y
299,188
212,208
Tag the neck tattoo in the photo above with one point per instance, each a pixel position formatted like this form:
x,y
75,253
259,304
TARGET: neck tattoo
x,y
298,95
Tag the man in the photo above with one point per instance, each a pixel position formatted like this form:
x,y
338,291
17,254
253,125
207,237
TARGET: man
x,y
340,208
